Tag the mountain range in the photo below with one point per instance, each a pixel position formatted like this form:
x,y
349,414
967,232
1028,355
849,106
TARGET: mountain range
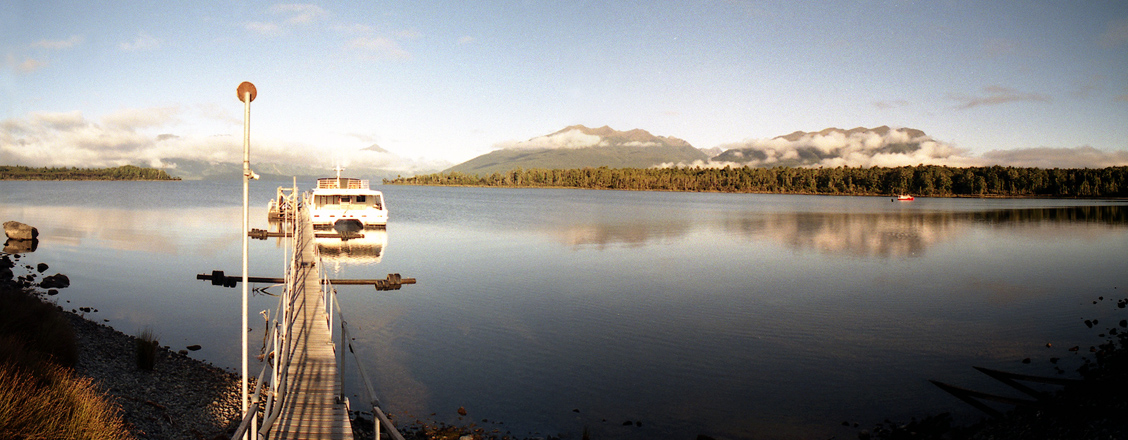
x,y
578,146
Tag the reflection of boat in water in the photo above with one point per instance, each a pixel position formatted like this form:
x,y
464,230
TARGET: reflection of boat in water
x,y
364,247
347,205
905,198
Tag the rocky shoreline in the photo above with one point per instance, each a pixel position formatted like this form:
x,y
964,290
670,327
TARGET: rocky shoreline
x,y
181,398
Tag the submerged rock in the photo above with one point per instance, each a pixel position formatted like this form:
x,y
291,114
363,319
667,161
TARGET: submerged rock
x,y
19,231
57,280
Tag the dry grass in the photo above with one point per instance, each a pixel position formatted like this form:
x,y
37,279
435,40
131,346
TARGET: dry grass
x,y
51,403
40,397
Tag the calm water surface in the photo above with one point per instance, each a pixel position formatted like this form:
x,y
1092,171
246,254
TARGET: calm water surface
x,y
731,315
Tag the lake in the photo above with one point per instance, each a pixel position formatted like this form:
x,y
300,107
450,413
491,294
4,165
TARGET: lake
x,y
544,311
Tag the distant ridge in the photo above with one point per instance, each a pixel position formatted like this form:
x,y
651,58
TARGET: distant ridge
x,y
579,146
375,148
880,131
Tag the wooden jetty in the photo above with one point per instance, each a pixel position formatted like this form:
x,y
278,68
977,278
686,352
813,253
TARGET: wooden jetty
x,y
312,407
305,400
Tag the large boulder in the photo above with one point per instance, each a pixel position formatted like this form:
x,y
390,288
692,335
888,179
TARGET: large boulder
x,y
19,231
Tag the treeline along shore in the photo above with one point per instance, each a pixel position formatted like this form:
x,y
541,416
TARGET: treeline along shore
x,y
924,180
125,172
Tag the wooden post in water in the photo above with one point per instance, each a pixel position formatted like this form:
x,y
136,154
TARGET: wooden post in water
x,y
246,93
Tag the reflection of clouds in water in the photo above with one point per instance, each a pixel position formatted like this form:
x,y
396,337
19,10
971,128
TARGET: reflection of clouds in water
x,y
378,347
202,231
1001,291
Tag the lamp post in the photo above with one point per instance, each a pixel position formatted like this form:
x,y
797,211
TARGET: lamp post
x,y
246,92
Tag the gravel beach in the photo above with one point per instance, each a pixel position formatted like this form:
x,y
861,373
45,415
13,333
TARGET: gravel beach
x,y
181,398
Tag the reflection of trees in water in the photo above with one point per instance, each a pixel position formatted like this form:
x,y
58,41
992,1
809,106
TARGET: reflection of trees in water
x,y
1111,215
891,234
869,234
905,234
635,234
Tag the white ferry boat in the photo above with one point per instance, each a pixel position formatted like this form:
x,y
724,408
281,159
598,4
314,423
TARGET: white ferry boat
x,y
347,205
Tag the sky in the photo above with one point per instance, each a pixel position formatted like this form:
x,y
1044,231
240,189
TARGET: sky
x,y
90,83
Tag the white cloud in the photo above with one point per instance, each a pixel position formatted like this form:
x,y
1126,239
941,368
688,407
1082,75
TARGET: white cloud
x,y
465,39
299,13
68,43
154,136
406,34
998,47
137,118
143,41
290,15
70,139
885,105
1116,33
261,28
352,29
1045,157
569,139
860,149
379,47
994,95
29,65
899,148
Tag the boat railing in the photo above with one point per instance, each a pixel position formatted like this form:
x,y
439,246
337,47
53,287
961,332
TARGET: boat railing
x,y
342,183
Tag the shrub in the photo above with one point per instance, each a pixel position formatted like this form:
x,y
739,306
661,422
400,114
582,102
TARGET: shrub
x,y
37,324
147,344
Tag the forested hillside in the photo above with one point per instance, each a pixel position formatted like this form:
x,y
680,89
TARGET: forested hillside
x,y
922,180
126,172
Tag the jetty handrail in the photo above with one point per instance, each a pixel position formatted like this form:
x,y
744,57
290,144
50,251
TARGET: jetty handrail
x,y
274,348
332,304
278,348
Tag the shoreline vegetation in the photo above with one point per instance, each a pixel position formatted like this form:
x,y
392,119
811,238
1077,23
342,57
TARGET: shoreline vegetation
x,y
63,375
124,172
920,180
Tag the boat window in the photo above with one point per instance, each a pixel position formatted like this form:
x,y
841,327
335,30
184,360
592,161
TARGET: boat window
x,y
360,199
378,202
346,199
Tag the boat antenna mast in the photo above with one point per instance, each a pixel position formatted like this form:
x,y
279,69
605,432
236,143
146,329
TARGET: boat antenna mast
x,y
338,169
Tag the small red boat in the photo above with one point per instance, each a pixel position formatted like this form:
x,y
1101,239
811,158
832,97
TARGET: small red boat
x,y
905,198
